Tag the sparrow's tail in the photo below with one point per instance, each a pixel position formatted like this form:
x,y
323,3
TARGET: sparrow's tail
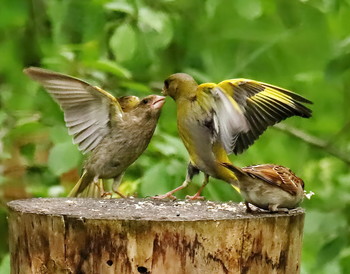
x,y
87,188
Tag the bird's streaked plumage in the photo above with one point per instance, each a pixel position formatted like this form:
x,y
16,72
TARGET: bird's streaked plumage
x,y
270,187
114,131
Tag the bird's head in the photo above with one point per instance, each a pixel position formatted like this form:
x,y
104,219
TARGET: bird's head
x,y
180,85
150,105
127,103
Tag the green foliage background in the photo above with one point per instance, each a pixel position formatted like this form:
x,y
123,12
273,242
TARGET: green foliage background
x,y
130,47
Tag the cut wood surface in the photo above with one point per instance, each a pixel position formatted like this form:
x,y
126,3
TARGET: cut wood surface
x,y
75,235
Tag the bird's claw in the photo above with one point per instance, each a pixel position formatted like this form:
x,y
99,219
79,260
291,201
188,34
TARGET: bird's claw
x,y
109,195
275,209
194,197
248,208
165,196
105,195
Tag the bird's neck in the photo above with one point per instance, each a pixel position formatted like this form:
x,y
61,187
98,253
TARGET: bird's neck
x,y
185,93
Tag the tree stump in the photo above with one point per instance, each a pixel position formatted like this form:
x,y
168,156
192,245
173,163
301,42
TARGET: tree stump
x,y
74,235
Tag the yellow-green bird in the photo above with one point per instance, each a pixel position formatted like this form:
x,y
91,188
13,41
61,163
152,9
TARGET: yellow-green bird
x,y
115,132
215,120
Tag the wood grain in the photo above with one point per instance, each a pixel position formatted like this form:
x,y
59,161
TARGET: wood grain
x,y
72,235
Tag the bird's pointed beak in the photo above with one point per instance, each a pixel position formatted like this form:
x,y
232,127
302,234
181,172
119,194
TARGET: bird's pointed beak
x,y
158,102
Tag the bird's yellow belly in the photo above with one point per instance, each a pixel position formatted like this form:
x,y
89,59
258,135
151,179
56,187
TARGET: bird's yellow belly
x,y
204,154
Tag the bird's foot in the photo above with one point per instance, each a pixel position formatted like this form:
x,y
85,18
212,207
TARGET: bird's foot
x,y
196,196
248,208
120,194
168,195
253,210
276,209
109,195
106,195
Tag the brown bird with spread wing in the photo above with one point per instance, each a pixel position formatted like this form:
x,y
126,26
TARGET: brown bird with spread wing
x,y
114,133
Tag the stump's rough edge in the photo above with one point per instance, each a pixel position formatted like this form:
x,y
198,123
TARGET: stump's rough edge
x,y
140,209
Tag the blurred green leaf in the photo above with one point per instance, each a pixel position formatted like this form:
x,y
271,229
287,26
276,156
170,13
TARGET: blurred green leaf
x,y
210,7
5,267
63,157
154,180
289,13
326,6
337,66
150,19
171,146
330,250
135,86
249,9
123,42
59,134
25,130
110,67
156,27
122,6
28,151
345,260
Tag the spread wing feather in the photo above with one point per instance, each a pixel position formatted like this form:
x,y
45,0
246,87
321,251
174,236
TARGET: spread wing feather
x,y
263,105
228,119
87,109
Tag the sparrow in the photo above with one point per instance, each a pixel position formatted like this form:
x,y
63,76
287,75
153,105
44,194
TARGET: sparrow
x,y
271,187
114,132
215,120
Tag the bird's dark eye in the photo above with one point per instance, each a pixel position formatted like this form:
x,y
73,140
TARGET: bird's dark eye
x,y
145,101
166,83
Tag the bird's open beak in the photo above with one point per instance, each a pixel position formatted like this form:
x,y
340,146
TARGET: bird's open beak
x,y
158,102
164,91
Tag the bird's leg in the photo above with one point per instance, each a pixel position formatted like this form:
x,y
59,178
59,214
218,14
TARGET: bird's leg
x,y
198,196
248,208
99,187
106,194
275,208
116,183
95,188
191,171
98,183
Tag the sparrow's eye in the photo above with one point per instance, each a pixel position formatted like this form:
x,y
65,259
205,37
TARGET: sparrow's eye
x,y
166,83
145,101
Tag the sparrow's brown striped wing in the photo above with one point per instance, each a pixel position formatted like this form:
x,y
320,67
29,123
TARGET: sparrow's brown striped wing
x,y
88,110
263,105
276,175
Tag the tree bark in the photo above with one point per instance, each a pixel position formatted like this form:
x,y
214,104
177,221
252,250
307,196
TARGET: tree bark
x,y
73,235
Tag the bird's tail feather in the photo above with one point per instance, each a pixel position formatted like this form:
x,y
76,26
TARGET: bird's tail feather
x,y
93,190
87,188
236,170
239,173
